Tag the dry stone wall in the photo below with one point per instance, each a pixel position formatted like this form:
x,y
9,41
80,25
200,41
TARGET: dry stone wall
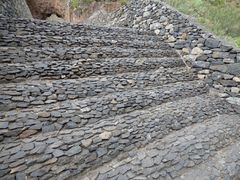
x,y
216,61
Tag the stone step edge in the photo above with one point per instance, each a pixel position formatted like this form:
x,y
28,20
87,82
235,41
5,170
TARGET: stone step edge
x,y
171,141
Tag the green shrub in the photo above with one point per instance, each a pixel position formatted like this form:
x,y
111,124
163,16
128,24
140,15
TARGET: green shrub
x,y
123,2
74,4
237,40
88,1
220,16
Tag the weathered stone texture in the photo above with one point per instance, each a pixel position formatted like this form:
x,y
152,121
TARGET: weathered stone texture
x,y
15,8
87,102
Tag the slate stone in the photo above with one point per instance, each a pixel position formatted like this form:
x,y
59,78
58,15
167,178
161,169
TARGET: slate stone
x,y
101,152
122,177
4,125
92,157
73,150
48,128
58,153
21,176
4,172
201,64
71,125
147,162
39,173
212,43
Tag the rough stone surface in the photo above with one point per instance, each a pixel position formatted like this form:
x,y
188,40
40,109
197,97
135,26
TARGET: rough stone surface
x,y
15,8
86,102
201,48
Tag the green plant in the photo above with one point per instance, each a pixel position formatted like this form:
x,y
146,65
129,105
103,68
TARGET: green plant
x,y
123,2
220,16
74,4
237,40
87,1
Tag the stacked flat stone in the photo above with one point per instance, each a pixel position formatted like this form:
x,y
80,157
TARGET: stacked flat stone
x,y
216,61
85,102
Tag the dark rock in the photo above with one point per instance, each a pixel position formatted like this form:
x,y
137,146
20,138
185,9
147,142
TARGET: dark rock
x,y
212,43
39,173
101,152
201,64
228,83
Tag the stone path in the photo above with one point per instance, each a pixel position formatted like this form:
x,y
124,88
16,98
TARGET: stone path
x,y
85,102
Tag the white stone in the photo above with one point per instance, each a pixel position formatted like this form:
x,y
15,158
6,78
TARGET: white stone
x,y
207,52
157,31
105,135
201,76
205,71
170,26
171,39
197,51
228,61
227,76
236,79
234,100
146,14
235,90
86,109
186,50
155,26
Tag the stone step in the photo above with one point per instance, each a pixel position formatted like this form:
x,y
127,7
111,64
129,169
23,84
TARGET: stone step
x,y
20,71
13,95
79,112
72,152
169,157
13,54
26,27
224,165
13,40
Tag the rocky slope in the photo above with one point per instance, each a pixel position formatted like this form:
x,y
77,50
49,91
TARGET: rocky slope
x,y
217,62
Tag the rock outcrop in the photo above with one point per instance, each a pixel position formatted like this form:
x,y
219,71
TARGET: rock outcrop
x,y
15,8
60,10
42,9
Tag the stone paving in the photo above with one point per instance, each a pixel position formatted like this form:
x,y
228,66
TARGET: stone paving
x,y
85,102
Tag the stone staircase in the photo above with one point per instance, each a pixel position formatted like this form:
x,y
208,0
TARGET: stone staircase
x,y
85,102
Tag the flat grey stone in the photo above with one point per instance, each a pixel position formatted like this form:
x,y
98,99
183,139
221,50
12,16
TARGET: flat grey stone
x,y
147,162
212,43
58,153
201,64
48,128
4,125
21,176
101,152
122,177
73,150
39,173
